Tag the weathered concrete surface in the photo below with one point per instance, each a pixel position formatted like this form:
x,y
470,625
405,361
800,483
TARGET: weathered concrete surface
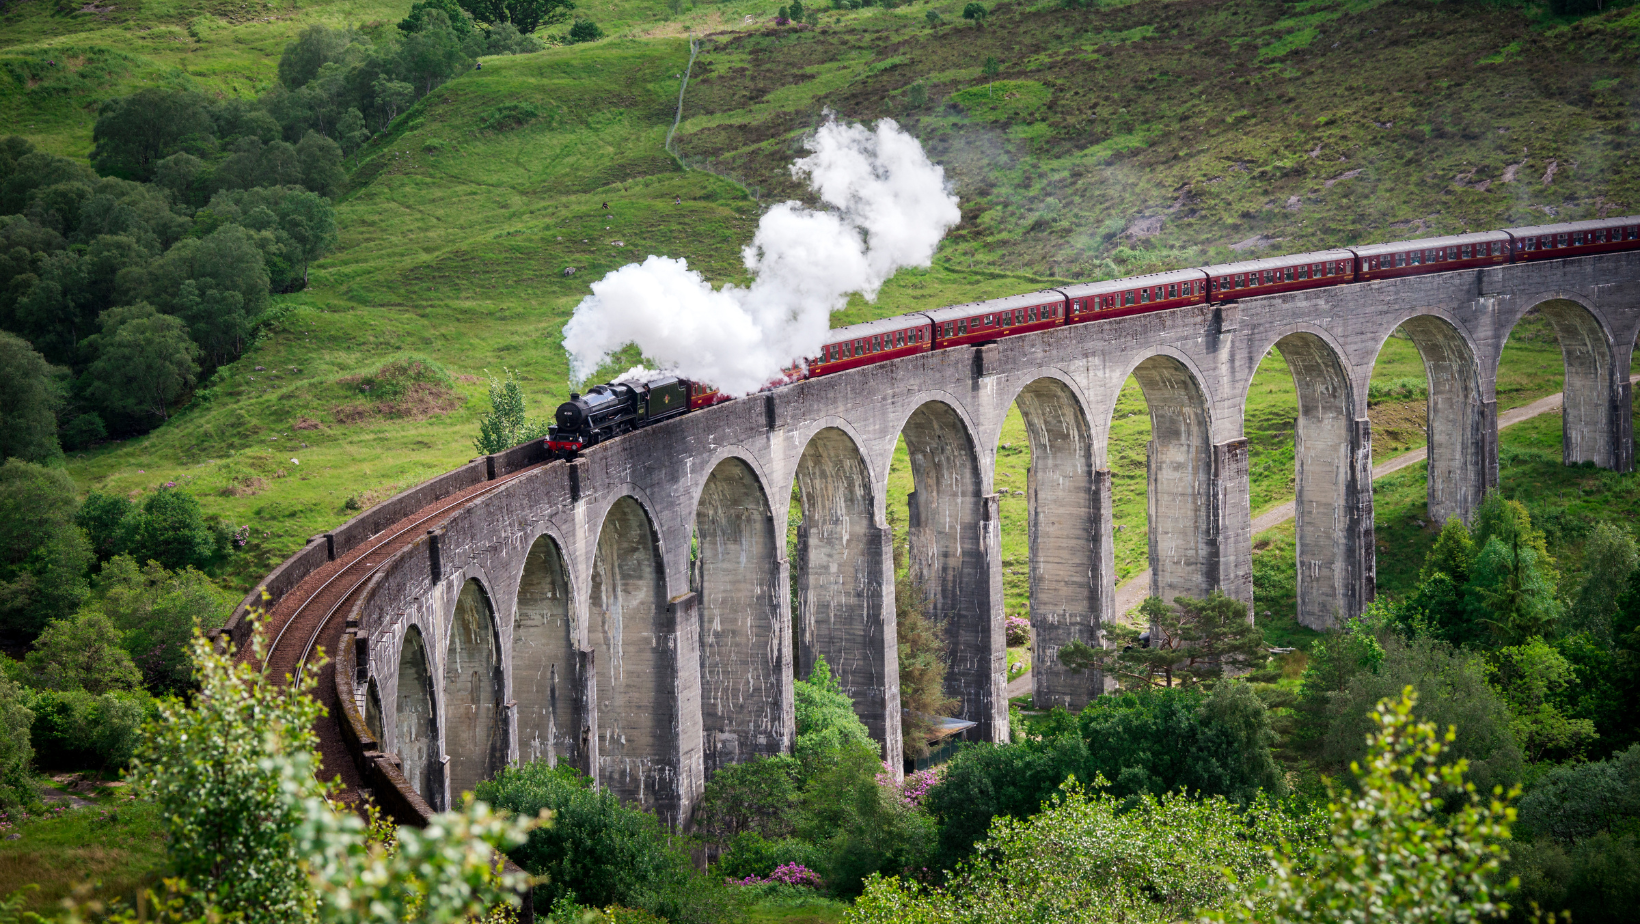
x,y
671,678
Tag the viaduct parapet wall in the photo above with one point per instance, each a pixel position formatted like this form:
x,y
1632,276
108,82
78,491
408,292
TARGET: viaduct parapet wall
x,y
631,612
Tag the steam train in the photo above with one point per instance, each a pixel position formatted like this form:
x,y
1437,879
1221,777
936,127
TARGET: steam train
x,y
612,409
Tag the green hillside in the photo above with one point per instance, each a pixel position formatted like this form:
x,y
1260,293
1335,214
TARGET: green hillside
x,y
1083,143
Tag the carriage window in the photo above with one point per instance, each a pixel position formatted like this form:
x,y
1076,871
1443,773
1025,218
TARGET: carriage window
x,y
1466,251
1577,239
1144,296
1173,290
1560,240
1628,233
1030,315
1241,280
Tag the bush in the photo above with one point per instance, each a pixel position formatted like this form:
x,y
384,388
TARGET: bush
x,y
78,731
1019,631
169,527
750,854
1146,743
598,850
82,653
43,555
975,12
159,611
584,30
16,749
757,797
826,723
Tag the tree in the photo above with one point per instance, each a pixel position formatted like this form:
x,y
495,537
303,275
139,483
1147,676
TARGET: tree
x,y
458,19
526,15
321,160
172,531
1195,640
145,362
29,399
1511,590
1454,691
158,611
82,652
432,54
934,18
216,320
1535,679
758,796
226,260
975,12
1609,558
314,47
1400,849
598,850
235,780
16,750
584,30
1088,856
43,555
826,723
921,649
134,134
506,425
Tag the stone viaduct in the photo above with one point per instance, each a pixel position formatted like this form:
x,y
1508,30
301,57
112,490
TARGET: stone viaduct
x,y
631,612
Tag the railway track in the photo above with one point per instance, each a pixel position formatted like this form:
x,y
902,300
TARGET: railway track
x,y
311,617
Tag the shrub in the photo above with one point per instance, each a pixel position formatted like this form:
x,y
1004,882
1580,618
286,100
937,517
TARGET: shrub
x,y
598,850
75,730
158,611
1019,631
16,749
506,425
1090,856
758,796
826,723
1398,851
751,856
235,781
975,12
584,30
82,653
43,555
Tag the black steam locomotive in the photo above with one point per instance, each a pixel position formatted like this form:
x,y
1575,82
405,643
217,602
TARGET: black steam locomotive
x,y
609,410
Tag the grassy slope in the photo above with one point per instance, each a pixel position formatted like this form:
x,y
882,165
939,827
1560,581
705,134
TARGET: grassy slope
x,y
455,239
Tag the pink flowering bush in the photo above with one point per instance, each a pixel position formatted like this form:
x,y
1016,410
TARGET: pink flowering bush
x,y
1019,631
792,874
913,788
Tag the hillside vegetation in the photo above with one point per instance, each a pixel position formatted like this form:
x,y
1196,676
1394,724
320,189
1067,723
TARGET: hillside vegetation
x,y
1083,142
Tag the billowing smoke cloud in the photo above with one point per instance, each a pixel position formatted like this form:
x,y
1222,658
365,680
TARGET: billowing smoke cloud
x,y
889,207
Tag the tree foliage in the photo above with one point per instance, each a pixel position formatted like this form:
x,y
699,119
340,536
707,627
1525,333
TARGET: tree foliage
x,y
1089,856
507,424
82,652
145,361
43,554
16,749
29,399
250,830
1193,641
1414,841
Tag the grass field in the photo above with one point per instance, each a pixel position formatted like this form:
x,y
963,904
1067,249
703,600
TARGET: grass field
x,y
1113,139
117,844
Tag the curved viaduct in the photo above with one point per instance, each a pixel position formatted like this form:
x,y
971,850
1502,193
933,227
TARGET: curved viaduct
x,y
629,612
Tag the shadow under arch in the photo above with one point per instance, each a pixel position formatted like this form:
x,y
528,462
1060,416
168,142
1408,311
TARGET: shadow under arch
x,y
1183,546
415,720
475,732
1072,564
1460,428
744,683
952,543
839,573
1589,413
1332,584
546,671
628,614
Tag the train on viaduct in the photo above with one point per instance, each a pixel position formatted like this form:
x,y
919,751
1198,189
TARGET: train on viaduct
x,y
629,611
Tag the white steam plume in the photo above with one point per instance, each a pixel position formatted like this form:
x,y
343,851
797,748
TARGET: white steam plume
x,y
889,207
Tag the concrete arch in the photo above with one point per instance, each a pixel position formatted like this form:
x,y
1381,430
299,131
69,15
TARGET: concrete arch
x,y
629,627
475,729
842,575
1182,481
415,720
1332,478
1072,562
745,677
546,671
1593,392
1462,428
953,550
